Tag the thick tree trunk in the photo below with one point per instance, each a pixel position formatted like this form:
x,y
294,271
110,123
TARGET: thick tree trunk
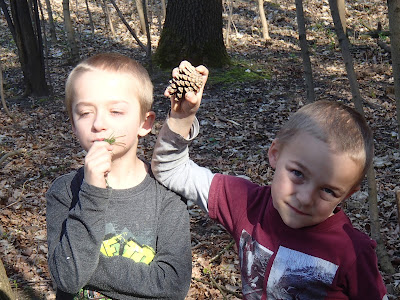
x,y
383,257
192,31
394,26
29,51
305,54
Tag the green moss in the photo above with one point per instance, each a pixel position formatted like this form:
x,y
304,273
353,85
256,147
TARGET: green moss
x,y
238,71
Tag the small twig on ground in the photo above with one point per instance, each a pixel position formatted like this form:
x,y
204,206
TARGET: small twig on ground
x,y
227,247
397,192
12,153
219,287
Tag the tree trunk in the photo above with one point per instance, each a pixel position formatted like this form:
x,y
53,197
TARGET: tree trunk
x,y
139,7
73,48
51,22
29,49
6,292
192,31
394,26
108,17
263,20
342,14
90,16
305,54
381,252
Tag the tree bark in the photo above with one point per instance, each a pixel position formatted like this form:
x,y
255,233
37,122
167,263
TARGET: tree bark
x,y
6,292
381,252
263,19
342,14
51,22
29,49
394,26
139,7
305,54
192,31
90,16
73,48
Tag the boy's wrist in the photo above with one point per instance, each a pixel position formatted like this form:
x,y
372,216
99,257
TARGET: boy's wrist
x,y
181,126
189,134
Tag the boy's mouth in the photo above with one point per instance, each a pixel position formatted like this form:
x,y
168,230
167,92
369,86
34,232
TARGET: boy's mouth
x,y
298,211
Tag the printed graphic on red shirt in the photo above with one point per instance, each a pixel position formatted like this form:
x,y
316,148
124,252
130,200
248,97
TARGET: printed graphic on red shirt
x,y
296,275
253,261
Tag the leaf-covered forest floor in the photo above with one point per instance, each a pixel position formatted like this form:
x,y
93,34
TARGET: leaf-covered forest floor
x,y
244,105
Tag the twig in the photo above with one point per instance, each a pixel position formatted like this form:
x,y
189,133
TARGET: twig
x,y
228,120
397,192
7,155
227,247
3,100
219,287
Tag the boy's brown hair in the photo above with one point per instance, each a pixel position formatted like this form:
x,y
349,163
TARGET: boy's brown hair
x,y
339,126
112,62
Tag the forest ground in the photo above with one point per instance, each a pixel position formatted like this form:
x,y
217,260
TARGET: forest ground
x,y
244,105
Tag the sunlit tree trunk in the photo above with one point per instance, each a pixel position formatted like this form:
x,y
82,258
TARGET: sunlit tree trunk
x,y
394,26
263,19
305,54
69,30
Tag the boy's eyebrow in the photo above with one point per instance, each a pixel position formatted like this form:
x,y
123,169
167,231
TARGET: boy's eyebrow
x,y
89,103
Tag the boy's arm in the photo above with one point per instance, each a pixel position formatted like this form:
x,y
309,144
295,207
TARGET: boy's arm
x,y
170,163
172,167
74,235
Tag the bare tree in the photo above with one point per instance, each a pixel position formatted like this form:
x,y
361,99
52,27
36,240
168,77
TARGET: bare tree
x,y
263,19
383,257
90,16
51,22
27,36
305,54
73,47
108,17
139,7
394,26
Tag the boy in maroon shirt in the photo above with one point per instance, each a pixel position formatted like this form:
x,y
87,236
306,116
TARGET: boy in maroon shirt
x,y
294,240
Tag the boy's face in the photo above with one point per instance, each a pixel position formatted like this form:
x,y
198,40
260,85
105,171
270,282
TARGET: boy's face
x,y
310,180
106,105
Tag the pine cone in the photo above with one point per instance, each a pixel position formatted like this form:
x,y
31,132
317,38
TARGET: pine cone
x,y
187,80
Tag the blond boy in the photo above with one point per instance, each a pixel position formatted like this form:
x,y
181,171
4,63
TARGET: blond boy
x,y
113,231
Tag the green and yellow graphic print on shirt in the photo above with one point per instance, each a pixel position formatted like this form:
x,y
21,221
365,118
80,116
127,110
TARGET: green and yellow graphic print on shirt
x,y
122,244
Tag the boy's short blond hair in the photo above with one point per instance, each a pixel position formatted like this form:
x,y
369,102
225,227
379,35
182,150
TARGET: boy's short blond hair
x,y
341,127
113,62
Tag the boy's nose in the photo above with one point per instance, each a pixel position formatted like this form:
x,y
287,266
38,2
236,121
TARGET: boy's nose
x,y
99,123
305,195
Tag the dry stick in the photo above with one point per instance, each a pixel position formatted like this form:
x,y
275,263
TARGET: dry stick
x,y
397,192
219,287
5,156
227,247
3,100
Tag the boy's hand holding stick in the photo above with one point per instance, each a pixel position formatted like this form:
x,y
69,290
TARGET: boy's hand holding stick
x,y
183,110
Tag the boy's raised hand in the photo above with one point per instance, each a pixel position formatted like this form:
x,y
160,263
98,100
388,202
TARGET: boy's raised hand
x,y
183,111
98,164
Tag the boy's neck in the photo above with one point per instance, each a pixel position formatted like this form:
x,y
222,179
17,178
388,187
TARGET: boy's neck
x,y
125,175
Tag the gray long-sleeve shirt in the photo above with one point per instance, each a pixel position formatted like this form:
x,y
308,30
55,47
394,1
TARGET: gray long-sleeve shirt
x,y
80,217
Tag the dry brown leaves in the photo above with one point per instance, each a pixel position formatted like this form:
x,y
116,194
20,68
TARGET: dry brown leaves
x,y
238,123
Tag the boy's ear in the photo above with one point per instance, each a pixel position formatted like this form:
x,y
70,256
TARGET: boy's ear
x,y
273,153
147,124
